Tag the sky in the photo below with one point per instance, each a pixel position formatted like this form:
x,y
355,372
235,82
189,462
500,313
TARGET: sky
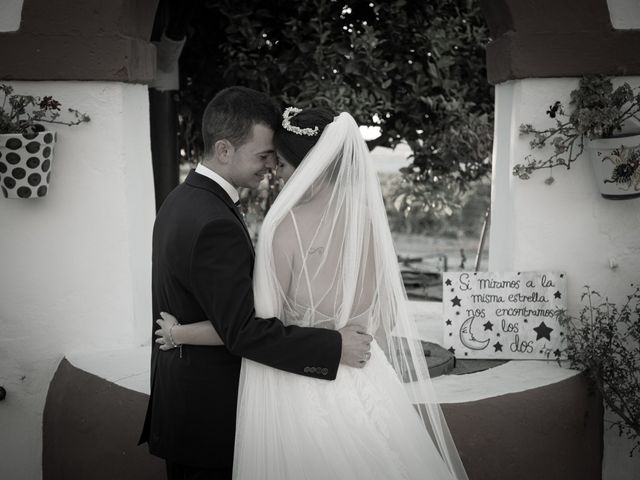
x,y
386,160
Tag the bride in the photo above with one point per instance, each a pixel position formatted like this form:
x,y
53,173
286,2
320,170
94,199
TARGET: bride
x,y
325,258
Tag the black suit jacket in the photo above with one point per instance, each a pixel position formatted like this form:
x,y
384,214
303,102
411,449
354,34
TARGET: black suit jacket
x,y
202,269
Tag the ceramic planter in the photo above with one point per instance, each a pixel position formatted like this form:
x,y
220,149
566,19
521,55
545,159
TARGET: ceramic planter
x,y
616,165
25,164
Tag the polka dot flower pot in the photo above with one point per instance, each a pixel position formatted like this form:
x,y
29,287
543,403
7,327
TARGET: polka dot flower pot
x,y
25,164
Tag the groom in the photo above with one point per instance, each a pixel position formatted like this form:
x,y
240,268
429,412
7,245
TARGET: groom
x,y
202,270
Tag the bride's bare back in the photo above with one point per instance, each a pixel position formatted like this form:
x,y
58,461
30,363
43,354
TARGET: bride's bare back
x,y
309,244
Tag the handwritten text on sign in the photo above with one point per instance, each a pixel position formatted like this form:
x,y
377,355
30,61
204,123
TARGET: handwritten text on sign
x,y
503,315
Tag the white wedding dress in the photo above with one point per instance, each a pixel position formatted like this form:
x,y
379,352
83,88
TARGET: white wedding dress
x,y
325,259
360,426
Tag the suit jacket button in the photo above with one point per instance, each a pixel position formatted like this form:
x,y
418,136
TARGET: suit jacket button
x,y
325,371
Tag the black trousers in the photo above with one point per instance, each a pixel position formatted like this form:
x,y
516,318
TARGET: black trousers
x,y
177,471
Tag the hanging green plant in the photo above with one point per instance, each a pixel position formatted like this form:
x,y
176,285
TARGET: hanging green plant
x,y
597,118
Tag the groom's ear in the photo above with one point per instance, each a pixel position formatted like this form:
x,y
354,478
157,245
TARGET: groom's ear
x,y
223,150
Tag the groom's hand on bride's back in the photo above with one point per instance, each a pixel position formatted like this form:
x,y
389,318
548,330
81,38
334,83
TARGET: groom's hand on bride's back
x,y
356,346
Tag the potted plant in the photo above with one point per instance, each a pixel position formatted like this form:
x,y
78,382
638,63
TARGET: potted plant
x,y
604,341
604,122
26,147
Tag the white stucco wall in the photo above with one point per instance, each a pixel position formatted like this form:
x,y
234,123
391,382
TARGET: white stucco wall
x,y
566,226
624,14
11,15
75,266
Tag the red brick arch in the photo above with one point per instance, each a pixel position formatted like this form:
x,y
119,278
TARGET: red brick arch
x,y
551,38
87,40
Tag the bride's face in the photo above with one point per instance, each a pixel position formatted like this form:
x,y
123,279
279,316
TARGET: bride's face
x,y
284,169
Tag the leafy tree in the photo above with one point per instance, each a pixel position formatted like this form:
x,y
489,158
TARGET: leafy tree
x,y
414,68
464,218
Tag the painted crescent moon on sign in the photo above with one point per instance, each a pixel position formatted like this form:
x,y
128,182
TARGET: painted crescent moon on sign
x,y
467,338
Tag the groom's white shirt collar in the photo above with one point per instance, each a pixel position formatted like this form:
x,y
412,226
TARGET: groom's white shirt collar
x,y
207,172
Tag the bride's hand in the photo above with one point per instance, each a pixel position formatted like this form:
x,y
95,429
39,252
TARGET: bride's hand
x,y
166,323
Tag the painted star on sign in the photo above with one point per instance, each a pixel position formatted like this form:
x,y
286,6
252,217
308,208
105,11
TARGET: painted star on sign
x,y
455,301
557,294
448,282
497,347
557,352
488,326
452,350
448,322
542,331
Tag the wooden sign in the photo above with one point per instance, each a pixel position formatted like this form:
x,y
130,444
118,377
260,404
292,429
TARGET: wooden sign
x,y
503,315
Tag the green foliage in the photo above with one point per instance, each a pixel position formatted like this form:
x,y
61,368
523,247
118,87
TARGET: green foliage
x,y
25,113
408,212
404,204
414,68
597,111
605,341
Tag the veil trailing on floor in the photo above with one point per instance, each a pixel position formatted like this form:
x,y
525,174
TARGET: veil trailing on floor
x,y
325,258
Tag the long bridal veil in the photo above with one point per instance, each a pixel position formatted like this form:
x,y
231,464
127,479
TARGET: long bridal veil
x,y
325,258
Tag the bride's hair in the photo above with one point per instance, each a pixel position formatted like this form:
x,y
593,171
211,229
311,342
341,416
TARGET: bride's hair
x,y
294,146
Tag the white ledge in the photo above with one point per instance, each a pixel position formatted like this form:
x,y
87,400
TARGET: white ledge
x,y
129,367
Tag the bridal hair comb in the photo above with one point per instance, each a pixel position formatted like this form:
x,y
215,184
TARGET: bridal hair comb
x,y
291,112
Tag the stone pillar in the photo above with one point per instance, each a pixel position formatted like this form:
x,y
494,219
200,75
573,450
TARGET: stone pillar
x,y
75,266
538,52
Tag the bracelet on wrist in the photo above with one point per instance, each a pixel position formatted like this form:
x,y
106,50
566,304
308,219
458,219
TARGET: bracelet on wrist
x,y
171,339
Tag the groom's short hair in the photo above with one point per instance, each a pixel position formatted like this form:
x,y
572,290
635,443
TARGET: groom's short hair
x,y
232,113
